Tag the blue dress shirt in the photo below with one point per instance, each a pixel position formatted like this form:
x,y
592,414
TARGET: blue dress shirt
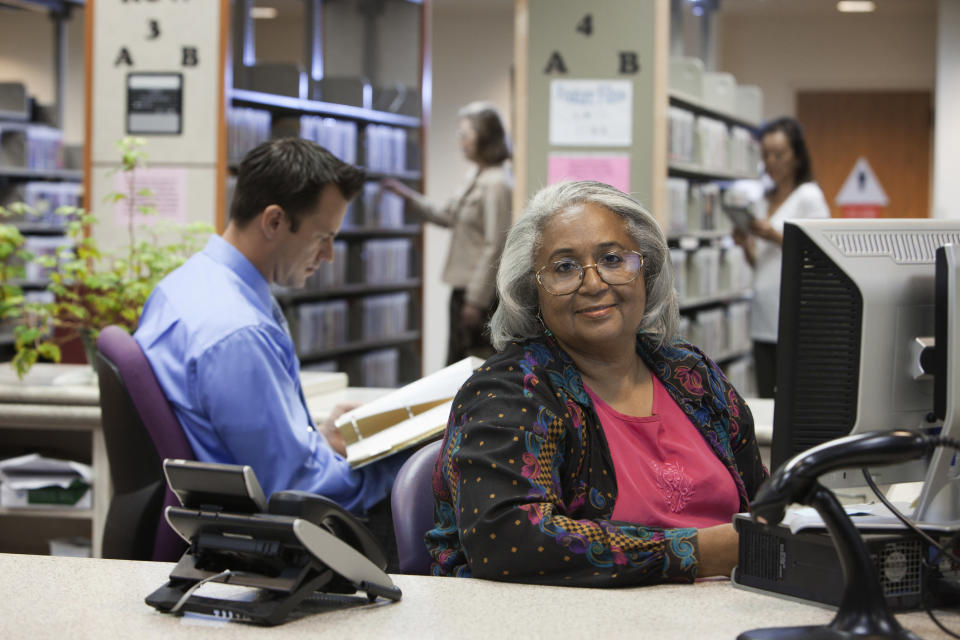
x,y
229,368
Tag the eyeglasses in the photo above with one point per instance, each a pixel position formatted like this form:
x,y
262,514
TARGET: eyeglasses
x,y
563,277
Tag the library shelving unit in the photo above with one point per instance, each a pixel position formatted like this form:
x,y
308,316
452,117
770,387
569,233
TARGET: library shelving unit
x,y
711,143
598,90
32,170
360,314
32,154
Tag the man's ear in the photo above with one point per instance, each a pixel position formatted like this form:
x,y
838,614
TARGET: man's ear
x,y
272,220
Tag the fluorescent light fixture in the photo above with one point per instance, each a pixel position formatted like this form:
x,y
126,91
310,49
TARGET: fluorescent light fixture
x,y
856,6
263,13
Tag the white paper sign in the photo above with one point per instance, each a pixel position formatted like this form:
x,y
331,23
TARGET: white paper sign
x,y
591,113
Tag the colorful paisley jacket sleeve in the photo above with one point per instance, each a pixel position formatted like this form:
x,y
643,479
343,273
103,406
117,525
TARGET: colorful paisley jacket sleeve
x,y
524,487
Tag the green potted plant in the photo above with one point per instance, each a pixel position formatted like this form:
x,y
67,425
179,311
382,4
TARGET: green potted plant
x,y
92,289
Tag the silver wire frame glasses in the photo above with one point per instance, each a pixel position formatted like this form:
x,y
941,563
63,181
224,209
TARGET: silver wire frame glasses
x,y
565,276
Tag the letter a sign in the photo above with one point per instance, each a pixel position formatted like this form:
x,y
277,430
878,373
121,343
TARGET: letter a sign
x,y
861,195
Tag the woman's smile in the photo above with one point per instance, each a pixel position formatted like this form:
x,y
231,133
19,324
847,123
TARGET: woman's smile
x,y
598,311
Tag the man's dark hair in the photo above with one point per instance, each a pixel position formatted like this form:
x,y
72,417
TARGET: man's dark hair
x,y
291,173
794,132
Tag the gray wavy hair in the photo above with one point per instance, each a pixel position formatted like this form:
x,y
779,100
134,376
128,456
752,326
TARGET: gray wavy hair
x,y
516,316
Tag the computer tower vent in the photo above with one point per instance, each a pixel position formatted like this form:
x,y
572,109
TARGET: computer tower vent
x,y
818,357
903,247
899,565
761,554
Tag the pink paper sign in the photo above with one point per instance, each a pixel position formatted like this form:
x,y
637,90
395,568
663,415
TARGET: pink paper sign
x,y
168,195
612,168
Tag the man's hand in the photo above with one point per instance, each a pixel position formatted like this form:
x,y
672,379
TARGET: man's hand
x,y
471,316
329,430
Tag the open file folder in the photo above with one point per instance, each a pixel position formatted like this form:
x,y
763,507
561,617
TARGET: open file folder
x,y
403,418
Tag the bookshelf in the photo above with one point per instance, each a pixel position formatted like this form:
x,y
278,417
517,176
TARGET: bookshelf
x,y
711,142
352,81
37,168
34,161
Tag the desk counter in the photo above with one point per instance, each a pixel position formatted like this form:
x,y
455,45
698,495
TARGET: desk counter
x,y
44,597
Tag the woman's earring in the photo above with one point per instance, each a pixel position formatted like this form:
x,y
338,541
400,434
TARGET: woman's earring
x,y
546,331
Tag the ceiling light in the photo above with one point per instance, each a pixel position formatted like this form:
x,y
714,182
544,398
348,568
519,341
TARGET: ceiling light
x,y
856,6
263,13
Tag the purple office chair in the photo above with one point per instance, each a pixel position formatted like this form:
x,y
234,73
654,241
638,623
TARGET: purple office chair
x,y
140,430
411,501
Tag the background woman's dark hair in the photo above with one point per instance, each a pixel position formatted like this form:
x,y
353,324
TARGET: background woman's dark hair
x,y
291,173
791,128
492,145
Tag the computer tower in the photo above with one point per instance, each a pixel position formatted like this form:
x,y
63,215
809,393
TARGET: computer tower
x,y
805,564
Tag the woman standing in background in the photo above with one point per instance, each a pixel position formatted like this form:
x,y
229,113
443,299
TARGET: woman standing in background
x,y
793,195
480,215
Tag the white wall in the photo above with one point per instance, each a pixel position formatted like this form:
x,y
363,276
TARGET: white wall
x,y
946,161
472,47
786,54
27,55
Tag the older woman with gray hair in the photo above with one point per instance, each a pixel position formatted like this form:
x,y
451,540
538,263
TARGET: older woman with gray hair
x,y
596,448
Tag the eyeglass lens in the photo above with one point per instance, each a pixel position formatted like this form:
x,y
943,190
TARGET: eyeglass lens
x,y
565,276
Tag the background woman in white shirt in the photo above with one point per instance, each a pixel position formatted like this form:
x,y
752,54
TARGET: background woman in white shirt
x,y
793,195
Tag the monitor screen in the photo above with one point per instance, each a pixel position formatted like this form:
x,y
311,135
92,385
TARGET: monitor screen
x,y
855,296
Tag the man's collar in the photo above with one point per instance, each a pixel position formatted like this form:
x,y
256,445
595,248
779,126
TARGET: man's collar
x,y
222,252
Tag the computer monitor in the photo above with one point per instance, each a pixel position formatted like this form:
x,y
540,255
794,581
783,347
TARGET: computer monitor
x,y
855,295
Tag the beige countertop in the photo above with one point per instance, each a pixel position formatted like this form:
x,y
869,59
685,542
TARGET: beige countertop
x,y
46,597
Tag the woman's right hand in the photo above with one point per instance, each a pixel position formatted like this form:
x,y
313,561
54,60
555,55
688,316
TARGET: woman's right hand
x,y
395,186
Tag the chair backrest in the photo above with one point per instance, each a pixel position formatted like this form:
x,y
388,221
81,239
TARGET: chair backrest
x,y
140,430
411,500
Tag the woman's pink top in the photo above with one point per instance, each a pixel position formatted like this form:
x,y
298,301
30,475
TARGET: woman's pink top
x,y
667,475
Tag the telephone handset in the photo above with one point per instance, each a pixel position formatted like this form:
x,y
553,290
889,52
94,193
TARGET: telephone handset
x,y
326,513
289,547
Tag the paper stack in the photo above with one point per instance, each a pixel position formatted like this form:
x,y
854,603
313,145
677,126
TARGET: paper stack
x,y
34,481
411,415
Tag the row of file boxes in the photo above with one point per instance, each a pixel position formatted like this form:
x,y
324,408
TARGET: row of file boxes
x,y
377,208
330,274
339,137
386,260
42,246
378,368
719,331
246,128
376,261
386,149
31,146
328,324
715,90
710,143
385,316
43,199
709,272
694,207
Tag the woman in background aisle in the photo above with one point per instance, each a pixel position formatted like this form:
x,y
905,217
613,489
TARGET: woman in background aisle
x,y
480,217
793,195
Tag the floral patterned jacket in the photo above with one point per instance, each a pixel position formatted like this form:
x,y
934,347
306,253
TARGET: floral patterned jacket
x,y
524,487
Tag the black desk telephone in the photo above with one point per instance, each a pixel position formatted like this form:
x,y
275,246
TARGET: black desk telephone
x,y
289,548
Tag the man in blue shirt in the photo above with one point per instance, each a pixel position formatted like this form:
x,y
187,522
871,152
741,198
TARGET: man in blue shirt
x,y
219,345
